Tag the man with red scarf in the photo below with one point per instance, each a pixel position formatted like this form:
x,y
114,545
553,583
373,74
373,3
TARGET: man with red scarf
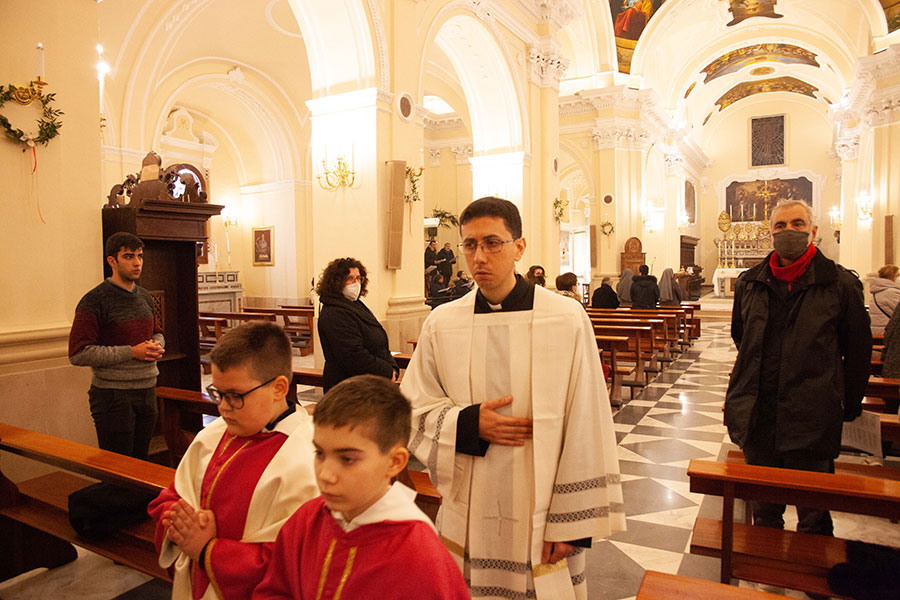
x,y
804,347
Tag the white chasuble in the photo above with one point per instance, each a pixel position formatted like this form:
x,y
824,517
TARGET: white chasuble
x,y
563,485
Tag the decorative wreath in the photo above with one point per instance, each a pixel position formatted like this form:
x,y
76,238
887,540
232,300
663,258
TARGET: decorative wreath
x,y
48,123
607,228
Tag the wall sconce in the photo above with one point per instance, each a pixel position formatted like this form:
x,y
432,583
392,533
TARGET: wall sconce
x,y
837,220
341,175
653,218
25,95
864,208
682,221
229,219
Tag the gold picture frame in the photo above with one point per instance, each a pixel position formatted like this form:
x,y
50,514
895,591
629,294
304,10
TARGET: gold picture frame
x,y
263,246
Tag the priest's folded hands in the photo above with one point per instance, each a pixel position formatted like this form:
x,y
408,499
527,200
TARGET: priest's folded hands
x,y
500,429
190,529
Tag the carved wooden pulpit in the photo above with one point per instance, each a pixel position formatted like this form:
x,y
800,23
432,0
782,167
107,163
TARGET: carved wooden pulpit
x,y
633,258
170,230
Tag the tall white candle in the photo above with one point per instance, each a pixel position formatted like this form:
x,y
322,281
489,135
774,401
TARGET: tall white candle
x,y
39,60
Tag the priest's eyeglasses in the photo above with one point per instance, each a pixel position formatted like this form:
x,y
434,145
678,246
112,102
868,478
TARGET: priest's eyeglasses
x,y
234,399
488,246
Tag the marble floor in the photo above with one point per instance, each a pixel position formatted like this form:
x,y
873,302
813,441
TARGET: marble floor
x,y
677,418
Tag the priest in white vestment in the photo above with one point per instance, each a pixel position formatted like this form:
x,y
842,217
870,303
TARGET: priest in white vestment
x,y
512,419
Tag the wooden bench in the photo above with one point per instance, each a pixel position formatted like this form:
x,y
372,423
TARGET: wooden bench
x,y
658,343
886,388
177,401
772,556
667,337
298,324
34,524
639,349
612,345
211,330
665,586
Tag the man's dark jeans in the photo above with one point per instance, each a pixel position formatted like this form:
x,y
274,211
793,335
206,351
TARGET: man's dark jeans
x,y
124,419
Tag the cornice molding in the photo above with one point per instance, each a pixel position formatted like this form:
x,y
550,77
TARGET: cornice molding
x,y
867,102
443,122
574,105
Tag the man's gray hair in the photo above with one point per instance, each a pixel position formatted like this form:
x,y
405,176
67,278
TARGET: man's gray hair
x,y
605,280
810,216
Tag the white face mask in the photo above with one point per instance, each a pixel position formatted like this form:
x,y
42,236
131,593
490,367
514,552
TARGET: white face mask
x,y
351,291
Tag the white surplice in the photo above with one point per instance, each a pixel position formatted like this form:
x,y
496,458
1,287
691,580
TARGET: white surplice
x,y
563,485
286,483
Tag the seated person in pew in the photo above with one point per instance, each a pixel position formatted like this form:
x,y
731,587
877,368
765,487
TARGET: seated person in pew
x,y
891,353
644,289
243,475
604,296
804,347
363,533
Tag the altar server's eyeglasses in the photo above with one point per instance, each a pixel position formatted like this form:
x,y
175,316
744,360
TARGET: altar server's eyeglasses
x,y
488,246
234,399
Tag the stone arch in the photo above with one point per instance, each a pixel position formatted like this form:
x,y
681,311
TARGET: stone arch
x,y
495,108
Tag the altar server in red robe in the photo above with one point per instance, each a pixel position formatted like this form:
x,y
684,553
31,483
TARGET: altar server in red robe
x,y
243,475
363,537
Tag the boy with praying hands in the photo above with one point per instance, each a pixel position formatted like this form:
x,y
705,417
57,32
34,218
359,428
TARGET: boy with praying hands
x,y
363,537
243,475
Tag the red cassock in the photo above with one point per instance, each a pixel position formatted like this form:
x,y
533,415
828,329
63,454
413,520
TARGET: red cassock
x,y
234,567
314,558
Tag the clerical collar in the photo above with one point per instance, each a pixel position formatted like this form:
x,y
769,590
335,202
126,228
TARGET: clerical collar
x,y
520,298
291,409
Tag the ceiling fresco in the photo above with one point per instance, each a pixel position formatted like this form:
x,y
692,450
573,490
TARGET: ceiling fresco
x,y
777,84
741,10
733,61
630,18
892,13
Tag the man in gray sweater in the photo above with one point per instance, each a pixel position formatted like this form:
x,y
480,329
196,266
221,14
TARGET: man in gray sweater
x,y
114,332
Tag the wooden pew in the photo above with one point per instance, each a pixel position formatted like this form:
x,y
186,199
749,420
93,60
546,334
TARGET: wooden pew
x,y
34,514
772,556
239,316
665,586
638,345
659,339
612,345
211,329
886,388
175,402
298,323
667,337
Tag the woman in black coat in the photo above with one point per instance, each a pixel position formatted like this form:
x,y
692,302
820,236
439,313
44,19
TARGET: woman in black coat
x,y
353,341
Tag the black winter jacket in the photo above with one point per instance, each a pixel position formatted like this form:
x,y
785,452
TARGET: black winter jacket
x,y
604,297
644,291
803,357
353,342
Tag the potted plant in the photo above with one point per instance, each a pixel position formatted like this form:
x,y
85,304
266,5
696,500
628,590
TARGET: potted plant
x,y
445,219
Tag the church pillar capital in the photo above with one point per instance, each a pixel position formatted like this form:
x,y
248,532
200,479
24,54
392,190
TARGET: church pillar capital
x,y
547,66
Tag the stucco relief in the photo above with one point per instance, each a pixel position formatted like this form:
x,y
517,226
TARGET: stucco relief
x,y
547,66
462,152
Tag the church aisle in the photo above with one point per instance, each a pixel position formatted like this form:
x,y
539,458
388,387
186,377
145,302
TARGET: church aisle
x,y
676,419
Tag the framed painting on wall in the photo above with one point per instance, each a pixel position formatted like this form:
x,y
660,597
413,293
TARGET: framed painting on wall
x,y
263,250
